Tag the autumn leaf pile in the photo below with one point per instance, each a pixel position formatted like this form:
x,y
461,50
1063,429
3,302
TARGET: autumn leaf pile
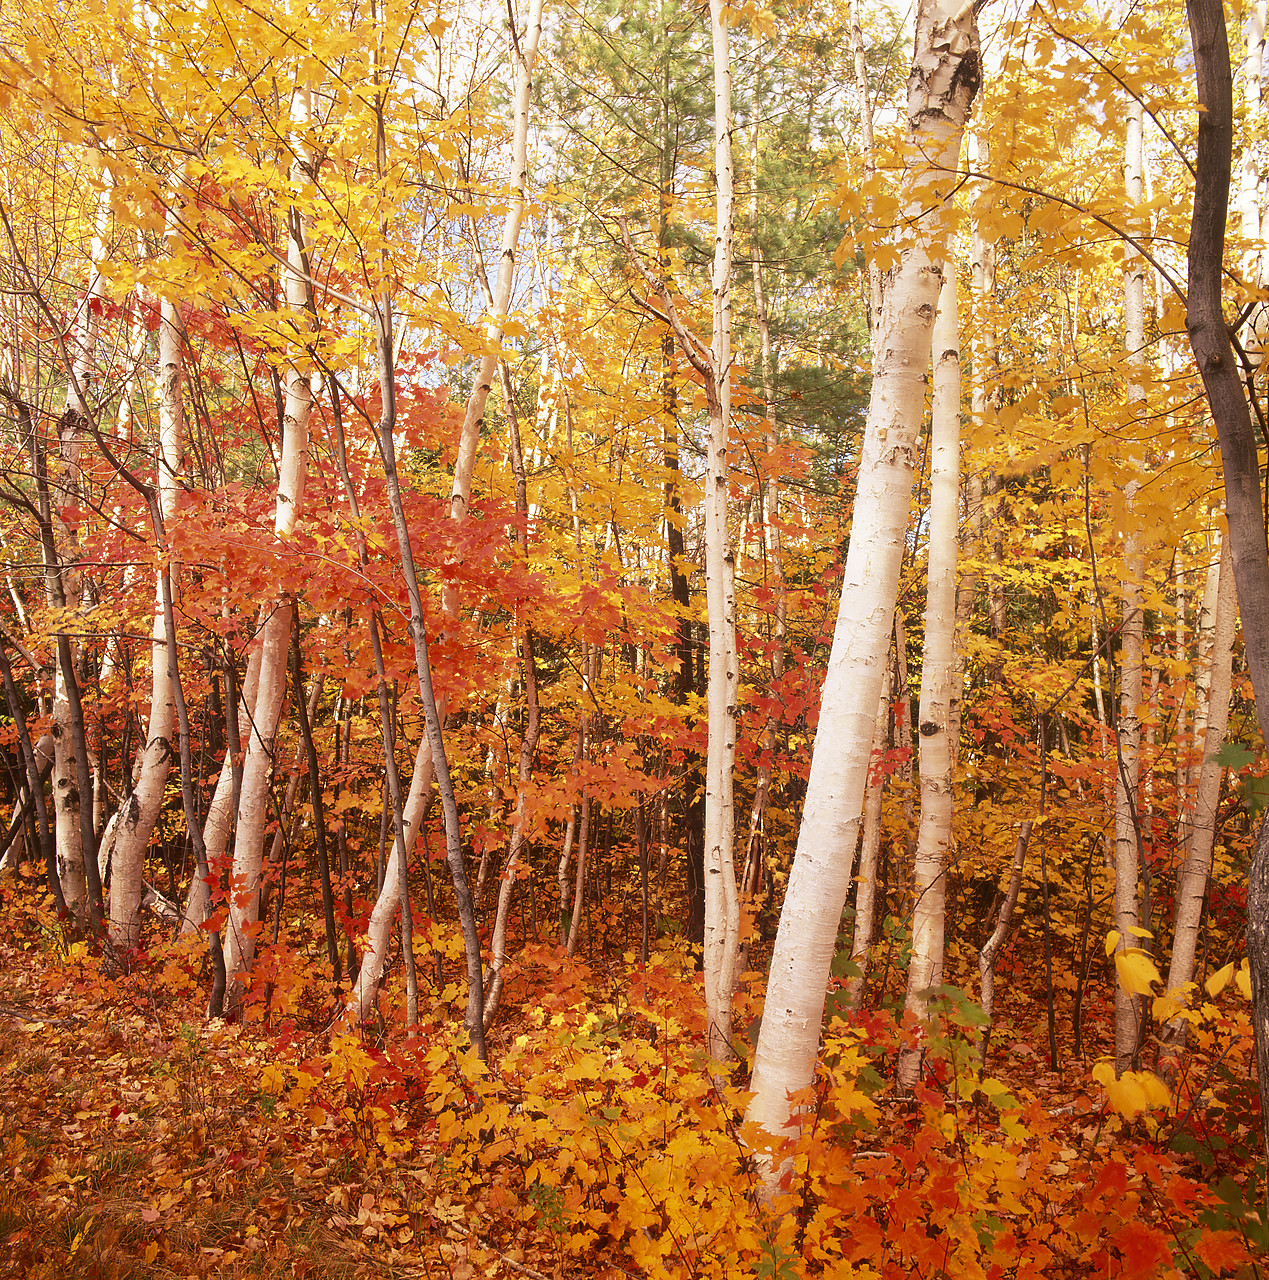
x,y
143,1141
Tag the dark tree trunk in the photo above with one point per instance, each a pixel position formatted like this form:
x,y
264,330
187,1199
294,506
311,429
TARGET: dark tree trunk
x,y
315,798
1209,338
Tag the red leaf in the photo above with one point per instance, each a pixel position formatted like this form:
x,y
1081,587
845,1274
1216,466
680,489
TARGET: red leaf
x,y
1221,1250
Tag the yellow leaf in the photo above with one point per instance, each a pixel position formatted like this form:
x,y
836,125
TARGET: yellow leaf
x,y
1132,1093
1112,940
1242,980
1167,1007
1219,980
1137,974
151,1252
1138,932
1157,1092
1127,1096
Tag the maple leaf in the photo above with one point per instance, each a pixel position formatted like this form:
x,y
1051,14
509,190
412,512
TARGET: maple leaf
x,y
1221,1250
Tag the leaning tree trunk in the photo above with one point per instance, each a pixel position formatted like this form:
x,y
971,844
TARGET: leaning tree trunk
x,y
938,675
869,852
1200,833
218,825
1213,353
941,87
378,940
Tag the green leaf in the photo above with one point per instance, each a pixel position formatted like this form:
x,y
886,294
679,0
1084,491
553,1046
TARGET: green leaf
x,y
1233,755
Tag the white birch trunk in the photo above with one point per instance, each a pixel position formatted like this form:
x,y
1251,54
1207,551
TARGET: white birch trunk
x,y
1201,837
722,901
68,804
220,813
938,671
941,87
875,281
774,546
1132,633
275,635
133,829
66,800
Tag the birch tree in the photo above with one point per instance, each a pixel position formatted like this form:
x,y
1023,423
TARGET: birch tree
x,y
942,83
62,577
1199,836
274,640
722,904
1132,633
938,676
132,826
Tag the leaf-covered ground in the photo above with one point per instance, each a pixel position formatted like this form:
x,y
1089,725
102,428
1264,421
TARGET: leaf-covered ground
x,y
140,1141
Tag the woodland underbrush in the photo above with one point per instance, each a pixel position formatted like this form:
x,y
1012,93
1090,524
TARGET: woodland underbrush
x,y
142,1141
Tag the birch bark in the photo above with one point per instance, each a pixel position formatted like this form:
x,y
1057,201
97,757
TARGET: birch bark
x,y
218,825
69,798
774,548
1201,833
938,674
135,825
1132,633
941,86
275,635
722,902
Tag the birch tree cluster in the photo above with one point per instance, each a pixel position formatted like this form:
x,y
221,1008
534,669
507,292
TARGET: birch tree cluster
x,y
635,477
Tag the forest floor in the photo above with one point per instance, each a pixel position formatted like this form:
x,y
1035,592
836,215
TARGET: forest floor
x,y
138,1140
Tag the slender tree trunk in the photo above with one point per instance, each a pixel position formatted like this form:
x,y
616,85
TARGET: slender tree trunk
x,y
532,723
938,672
869,850
986,387
570,828
987,956
1128,852
722,900
1181,735
379,932
132,831
774,548
218,825
34,782
1191,887
1256,331
1214,356
315,798
70,799
941,87
275,636
876,282
902,698
1205,633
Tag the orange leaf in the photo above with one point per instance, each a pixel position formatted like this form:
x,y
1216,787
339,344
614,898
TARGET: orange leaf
x,y
1221,1250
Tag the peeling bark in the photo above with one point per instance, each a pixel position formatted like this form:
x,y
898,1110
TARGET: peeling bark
x,y
941,88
